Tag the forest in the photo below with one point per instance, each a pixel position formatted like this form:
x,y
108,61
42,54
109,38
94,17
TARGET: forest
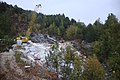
x,y
103,58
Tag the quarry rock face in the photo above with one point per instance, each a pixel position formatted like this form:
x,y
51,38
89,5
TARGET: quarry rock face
x,y
40,38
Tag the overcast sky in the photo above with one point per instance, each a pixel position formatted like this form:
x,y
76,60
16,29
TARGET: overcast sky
x,y
86,11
